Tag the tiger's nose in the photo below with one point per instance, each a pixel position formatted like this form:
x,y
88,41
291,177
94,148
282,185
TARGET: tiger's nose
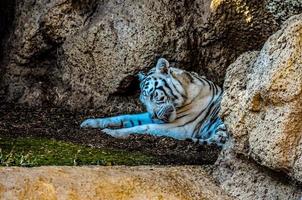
x,y
166,113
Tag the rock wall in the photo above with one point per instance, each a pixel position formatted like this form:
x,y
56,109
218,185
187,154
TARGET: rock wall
x,y
262,108
108,183
86,54
6,19
242,178
283,9
7,9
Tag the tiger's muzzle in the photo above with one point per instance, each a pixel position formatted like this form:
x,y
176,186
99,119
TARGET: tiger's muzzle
x,y
165,113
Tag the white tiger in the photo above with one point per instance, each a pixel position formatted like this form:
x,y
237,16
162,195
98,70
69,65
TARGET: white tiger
x,y
179,104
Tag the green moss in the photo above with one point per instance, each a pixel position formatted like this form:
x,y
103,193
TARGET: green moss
x,y
31,152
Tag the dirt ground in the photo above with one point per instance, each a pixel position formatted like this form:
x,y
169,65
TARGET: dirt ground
x,y
59,124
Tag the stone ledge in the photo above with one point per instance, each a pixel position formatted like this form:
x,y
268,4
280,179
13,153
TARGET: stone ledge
x,y
121,182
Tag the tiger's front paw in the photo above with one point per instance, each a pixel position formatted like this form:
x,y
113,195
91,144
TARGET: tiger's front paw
x,y
90,123
221,137
115,133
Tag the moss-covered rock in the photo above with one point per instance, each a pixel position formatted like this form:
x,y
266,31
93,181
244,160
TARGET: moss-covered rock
x,y
31,152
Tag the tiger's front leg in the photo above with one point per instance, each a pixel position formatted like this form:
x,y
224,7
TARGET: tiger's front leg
x,y
169,130
119,121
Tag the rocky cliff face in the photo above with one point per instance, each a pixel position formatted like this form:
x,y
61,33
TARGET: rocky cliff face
x,y
262,108
84,54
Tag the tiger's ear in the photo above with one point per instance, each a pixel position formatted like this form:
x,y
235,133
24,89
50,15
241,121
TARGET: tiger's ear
x,y
162,66
141,76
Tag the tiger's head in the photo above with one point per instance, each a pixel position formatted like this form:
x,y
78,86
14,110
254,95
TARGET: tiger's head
x,y
162,91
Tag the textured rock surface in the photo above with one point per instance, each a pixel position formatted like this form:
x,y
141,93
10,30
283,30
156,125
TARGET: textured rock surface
x,y
283,9
85,54
243,179
108,183
6,19
262,105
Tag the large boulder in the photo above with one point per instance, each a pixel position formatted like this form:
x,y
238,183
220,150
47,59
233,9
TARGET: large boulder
x,y
86,54
262,104
118,41
108,183
244,179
